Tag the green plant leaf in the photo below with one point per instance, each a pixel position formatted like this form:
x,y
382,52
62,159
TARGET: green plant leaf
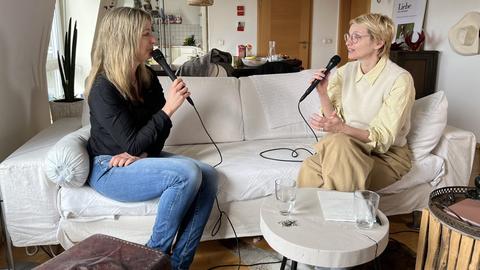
x,y
66,62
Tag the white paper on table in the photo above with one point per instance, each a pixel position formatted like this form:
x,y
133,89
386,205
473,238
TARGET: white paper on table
x,y
336,205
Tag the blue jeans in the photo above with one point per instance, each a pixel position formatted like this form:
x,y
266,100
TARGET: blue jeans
x,y
186,188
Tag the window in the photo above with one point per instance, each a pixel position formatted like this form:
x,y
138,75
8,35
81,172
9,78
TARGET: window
x,y
54,82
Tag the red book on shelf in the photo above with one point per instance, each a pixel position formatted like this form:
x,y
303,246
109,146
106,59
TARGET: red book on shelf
x,y
468,210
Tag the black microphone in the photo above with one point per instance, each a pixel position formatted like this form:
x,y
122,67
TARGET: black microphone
x,y
333,63
158,56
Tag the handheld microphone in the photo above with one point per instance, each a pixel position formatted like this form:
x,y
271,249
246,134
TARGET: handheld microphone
x,y
158,56
333,63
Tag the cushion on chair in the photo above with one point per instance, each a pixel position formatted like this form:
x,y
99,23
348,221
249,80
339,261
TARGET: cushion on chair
x,y
429,118
67,163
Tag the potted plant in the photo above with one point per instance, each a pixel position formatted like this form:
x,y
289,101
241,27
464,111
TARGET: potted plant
x,y
69,105
189,41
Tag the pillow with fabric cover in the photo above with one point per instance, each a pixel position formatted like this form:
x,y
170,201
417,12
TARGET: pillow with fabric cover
x,y
85,114
67,163
429,118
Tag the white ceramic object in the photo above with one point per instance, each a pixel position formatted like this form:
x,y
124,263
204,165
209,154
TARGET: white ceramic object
x,y
254,62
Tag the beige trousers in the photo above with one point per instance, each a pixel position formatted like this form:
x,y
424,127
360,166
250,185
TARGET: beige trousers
x,y
344,163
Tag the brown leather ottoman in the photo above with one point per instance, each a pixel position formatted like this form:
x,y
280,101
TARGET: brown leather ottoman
x,y
105,252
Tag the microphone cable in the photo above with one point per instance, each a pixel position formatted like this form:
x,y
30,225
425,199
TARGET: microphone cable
x,y
218,223
160,58
331,64
294,152
210,137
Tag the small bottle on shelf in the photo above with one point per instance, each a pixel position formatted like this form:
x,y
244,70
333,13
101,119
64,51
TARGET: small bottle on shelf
x,y
271,50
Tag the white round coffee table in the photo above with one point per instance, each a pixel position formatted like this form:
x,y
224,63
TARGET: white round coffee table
x,y
315,241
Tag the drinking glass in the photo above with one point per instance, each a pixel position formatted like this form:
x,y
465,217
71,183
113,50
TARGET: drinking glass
x,y
271,50
285,195
365,206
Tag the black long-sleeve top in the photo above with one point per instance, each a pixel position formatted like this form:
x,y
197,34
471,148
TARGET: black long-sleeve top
x,y
119,125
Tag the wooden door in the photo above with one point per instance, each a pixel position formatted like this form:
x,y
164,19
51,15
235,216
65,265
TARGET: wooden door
x,y
348,9
288,23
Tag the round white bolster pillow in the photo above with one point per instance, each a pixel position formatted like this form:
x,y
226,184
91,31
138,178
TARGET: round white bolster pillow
x,y
67,163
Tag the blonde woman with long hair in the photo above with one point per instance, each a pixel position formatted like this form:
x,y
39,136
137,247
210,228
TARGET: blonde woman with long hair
x,y
366,108
130,121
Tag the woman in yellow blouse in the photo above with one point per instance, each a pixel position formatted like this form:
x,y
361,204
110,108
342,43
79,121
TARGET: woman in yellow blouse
x,y
366,106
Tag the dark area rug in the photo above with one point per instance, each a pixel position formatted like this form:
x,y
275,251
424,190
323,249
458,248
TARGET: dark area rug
x,y
395,256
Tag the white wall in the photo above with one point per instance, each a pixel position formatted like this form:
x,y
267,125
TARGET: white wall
x,y
190,14
457,74
324,32
223,21
24,34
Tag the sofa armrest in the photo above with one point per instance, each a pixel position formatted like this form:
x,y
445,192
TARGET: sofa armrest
x,y
29,197
457,148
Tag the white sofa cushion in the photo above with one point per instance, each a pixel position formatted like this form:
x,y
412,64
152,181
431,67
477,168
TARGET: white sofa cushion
x,y
257,126
67,163
85,114
429,118
427,170
218,102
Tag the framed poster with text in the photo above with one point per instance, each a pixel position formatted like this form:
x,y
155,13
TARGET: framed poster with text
x,y
408,16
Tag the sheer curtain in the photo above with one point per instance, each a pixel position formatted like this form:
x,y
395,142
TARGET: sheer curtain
x,y
54,83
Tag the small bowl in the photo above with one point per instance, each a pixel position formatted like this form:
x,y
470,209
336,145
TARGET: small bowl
x,y
254,62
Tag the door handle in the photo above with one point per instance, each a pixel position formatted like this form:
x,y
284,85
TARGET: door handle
x,y
304,44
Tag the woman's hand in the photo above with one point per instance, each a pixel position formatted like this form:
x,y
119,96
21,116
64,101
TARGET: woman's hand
x,y
177,94
124,159
322,77
331,123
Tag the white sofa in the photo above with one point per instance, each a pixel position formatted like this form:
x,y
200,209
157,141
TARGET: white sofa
x,y
244,116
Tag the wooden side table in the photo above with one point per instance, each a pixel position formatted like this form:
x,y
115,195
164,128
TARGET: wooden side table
x,y
444,241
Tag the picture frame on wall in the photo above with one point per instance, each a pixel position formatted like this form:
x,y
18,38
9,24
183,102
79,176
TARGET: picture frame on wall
x,y
408,17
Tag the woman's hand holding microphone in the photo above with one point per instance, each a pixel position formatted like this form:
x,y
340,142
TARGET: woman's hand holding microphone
x,y
322,86
177,94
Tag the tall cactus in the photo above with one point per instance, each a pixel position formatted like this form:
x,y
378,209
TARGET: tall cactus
x,y
66,63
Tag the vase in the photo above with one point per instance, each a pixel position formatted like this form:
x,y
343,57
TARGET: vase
x,y
60,109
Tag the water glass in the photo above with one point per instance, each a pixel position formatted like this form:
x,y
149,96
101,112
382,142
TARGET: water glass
x,y
285,195
365,206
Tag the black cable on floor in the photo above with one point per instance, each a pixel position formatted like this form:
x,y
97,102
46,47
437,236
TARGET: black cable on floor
x,y
49,253
247,265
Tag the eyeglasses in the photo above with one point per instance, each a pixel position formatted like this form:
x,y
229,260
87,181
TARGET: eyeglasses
x,y
354,38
